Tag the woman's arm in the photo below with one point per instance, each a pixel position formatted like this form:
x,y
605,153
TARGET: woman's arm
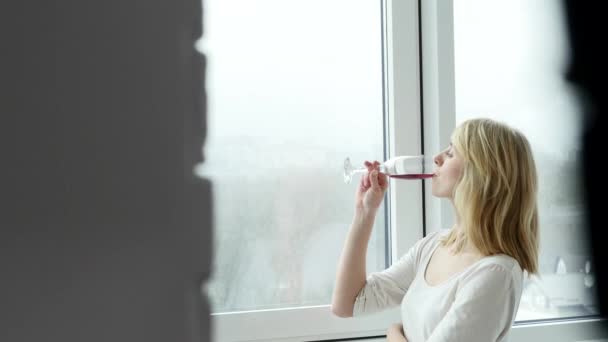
x,y
395,333
350,275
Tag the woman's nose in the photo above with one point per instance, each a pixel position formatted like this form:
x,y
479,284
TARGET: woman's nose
x,y
437,159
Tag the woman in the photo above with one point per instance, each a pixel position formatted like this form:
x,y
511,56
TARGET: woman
x,y
461,284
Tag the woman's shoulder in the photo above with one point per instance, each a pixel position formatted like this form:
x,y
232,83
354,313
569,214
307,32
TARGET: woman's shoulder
x,y
499,266
501,262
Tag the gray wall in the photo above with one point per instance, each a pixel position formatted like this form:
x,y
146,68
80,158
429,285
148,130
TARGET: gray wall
x,y
105,234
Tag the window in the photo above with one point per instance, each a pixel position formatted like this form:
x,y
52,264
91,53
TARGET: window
x,y
513,70
507,60
292,94
295,87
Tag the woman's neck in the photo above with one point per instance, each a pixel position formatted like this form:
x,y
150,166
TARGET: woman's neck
x,y
468,247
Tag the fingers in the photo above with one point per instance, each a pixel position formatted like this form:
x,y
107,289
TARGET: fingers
x,y
382,178
374,178
382,181
373,174
372,166
369,167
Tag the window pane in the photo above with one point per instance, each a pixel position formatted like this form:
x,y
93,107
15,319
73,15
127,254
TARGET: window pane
x,y
511,58
294,87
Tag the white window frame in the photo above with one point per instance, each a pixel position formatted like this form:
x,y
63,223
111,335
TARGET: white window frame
x,y
439,118
402,100
402,77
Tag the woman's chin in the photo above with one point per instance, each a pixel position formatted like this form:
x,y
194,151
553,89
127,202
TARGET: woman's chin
x,y
438,193
434,193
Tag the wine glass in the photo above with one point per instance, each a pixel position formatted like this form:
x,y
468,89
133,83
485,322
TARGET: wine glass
x,y
401,167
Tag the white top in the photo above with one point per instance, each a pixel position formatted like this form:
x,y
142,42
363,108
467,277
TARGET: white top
x,y
477,304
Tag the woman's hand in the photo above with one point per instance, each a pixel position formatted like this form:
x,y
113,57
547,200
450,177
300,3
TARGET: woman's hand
x,y
372,187
395,333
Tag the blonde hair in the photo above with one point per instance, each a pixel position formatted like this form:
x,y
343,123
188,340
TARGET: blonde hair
x,y
496,194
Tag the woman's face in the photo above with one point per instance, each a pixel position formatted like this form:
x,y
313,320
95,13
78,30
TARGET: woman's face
x,y
448,168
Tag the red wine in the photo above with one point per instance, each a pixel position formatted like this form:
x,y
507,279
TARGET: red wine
x,y
413,176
